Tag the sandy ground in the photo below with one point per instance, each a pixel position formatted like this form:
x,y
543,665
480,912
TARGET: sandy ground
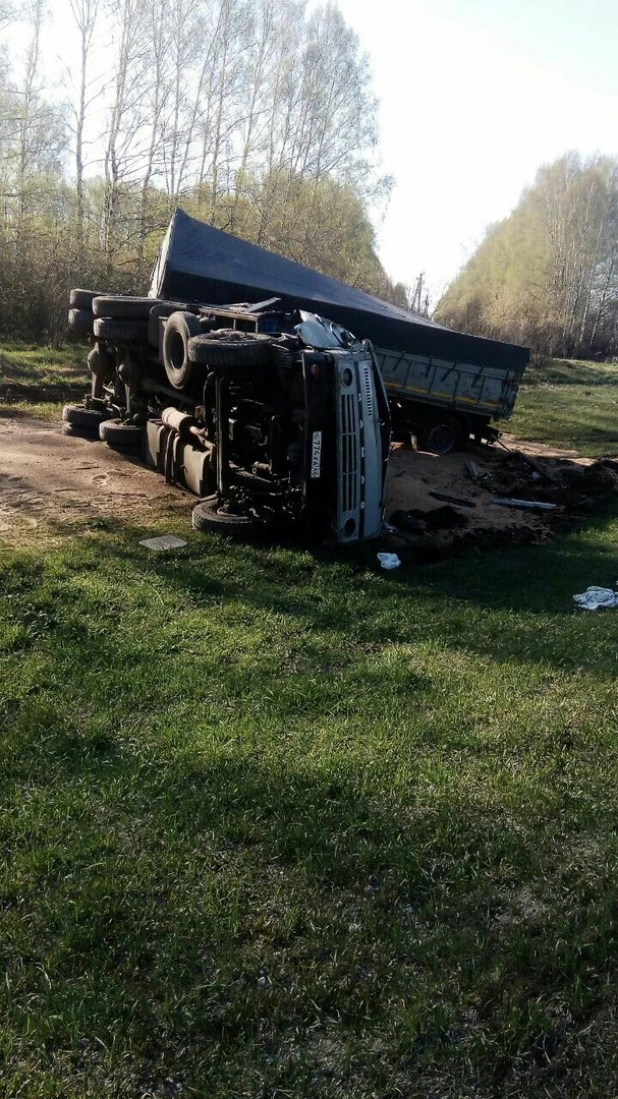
x,y
49,482
536,473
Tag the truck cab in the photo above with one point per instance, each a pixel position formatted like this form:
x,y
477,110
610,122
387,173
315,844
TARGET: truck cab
x,y
272,417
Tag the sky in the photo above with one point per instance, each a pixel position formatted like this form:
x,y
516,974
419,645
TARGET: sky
x,y
475,96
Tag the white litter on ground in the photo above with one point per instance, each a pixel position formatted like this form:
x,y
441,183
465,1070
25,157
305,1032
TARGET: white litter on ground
x,y
593,598
389,560
163,542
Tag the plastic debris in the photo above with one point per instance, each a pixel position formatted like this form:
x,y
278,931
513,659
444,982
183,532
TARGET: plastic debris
x,y
473,470
163,542
389,560
593,598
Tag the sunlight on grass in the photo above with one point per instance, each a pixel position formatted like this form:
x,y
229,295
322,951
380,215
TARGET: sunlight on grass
x,y
258,795
278,824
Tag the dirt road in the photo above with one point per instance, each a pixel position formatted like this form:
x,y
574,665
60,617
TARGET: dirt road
x,y
50,482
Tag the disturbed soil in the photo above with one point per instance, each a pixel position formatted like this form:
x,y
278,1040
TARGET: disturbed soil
x,y
49,482
578,488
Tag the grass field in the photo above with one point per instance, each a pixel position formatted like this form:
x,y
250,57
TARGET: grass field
x,y
278,825
570,404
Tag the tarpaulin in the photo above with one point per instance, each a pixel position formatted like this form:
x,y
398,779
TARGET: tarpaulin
x,y
198,263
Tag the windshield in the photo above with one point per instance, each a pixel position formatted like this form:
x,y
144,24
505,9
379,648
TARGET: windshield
x,y
323,334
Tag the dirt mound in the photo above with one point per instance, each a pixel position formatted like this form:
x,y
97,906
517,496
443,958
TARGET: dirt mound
x,y
470,484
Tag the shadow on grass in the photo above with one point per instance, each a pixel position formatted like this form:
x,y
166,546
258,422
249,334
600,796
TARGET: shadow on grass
x,y
53,393
197,907
507,604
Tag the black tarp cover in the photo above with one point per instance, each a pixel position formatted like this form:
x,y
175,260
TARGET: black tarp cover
x,y
199,263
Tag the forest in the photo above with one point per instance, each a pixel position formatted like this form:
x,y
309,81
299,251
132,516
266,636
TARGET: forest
x,y
257,117
547,275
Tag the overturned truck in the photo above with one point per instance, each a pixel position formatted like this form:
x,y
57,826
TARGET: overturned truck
x,y
269,416
443,386
265,409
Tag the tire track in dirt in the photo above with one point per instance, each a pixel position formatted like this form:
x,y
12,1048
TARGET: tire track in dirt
x,y
51,482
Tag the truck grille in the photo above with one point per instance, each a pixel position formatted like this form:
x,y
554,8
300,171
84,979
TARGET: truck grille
x,y
368,390
349,452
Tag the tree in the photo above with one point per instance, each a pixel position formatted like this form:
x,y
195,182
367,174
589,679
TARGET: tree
x,y
254,114
85,14
546,276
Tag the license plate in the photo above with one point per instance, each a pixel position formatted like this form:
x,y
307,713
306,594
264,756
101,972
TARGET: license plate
x,y
316,455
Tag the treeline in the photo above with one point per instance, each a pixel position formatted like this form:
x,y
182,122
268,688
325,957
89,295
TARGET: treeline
x,y
254,116
547,276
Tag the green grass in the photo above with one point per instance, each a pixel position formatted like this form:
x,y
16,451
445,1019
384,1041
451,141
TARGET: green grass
x,y
278,824
567,404
39,380
275,823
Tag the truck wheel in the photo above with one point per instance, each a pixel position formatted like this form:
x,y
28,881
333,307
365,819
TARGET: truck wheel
x,y
248,349
88,419
83,299
120,331
441,434
124,307
159,311
80,322
179,329
121,436
77,432
208,516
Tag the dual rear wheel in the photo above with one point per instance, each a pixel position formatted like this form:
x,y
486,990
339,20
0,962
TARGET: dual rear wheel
x,y
186,346
90,423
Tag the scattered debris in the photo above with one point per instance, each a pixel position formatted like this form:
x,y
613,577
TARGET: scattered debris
x,y
474,472
452,500
407,521
534,505
389,560
593,598
163,542
416,521
577,487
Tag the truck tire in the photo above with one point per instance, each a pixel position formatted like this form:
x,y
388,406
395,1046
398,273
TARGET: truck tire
x,y
87,419
158,311
179,330
77,432
120,331
207,517
83,299
121,436
124,307
80,322
441,434
245,349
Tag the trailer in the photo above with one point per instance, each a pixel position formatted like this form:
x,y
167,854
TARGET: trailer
x,y
442,402
443,385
